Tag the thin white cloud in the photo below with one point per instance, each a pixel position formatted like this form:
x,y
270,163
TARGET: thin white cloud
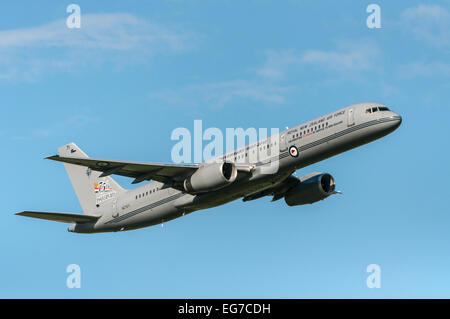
x,y
424,69
430,23
73,122
224,92
99,31
348,56
278,63
219,94
102,37
266,84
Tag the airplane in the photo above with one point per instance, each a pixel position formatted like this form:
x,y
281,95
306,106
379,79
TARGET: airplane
x,y
179,189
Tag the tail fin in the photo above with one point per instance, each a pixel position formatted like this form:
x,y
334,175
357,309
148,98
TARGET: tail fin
x,y
92,190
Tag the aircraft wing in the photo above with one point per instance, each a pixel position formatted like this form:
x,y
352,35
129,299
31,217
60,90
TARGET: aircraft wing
x,y
164,173
60,217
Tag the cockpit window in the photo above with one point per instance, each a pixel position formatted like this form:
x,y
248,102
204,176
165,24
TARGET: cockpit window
x,y
376,109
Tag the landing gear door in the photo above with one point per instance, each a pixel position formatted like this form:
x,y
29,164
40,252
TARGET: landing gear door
x,y
350,117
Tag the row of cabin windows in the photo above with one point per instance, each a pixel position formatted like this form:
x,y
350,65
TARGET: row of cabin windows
x,y
147,193
376,109
310,130
246,154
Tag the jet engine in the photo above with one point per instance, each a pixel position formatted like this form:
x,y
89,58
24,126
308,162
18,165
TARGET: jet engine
x,y
311,189
211,177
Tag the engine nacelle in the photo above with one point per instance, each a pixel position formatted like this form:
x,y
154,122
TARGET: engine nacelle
x,y
211,177
311,190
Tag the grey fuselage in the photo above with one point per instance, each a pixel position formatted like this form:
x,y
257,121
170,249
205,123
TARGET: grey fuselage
x,y
315,140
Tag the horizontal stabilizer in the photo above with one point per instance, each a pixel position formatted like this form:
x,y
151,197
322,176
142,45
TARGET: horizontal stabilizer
x,y
60,217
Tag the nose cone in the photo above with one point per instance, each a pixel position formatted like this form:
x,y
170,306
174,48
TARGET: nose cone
x,y
397,119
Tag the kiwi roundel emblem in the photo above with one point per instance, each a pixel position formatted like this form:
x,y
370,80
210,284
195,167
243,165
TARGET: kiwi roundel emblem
x,y
102,164
293,151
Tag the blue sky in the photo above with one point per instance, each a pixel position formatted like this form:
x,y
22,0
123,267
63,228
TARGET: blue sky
x,y
133,72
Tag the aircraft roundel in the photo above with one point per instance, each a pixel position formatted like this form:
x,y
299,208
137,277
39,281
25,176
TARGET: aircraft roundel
x,y
293,151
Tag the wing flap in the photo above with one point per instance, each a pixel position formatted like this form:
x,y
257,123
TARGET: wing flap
x,y
277,191
60,217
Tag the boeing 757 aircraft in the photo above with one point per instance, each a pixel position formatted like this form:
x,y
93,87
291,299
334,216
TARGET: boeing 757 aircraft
x,y
179,189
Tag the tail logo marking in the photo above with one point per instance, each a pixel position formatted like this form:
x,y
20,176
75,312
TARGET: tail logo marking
x,y
103,191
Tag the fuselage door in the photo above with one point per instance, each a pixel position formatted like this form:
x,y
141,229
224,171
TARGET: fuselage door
x,y
350,117
283,144
115,212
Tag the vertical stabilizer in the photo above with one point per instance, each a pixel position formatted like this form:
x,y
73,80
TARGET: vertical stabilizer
x,y
92,190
